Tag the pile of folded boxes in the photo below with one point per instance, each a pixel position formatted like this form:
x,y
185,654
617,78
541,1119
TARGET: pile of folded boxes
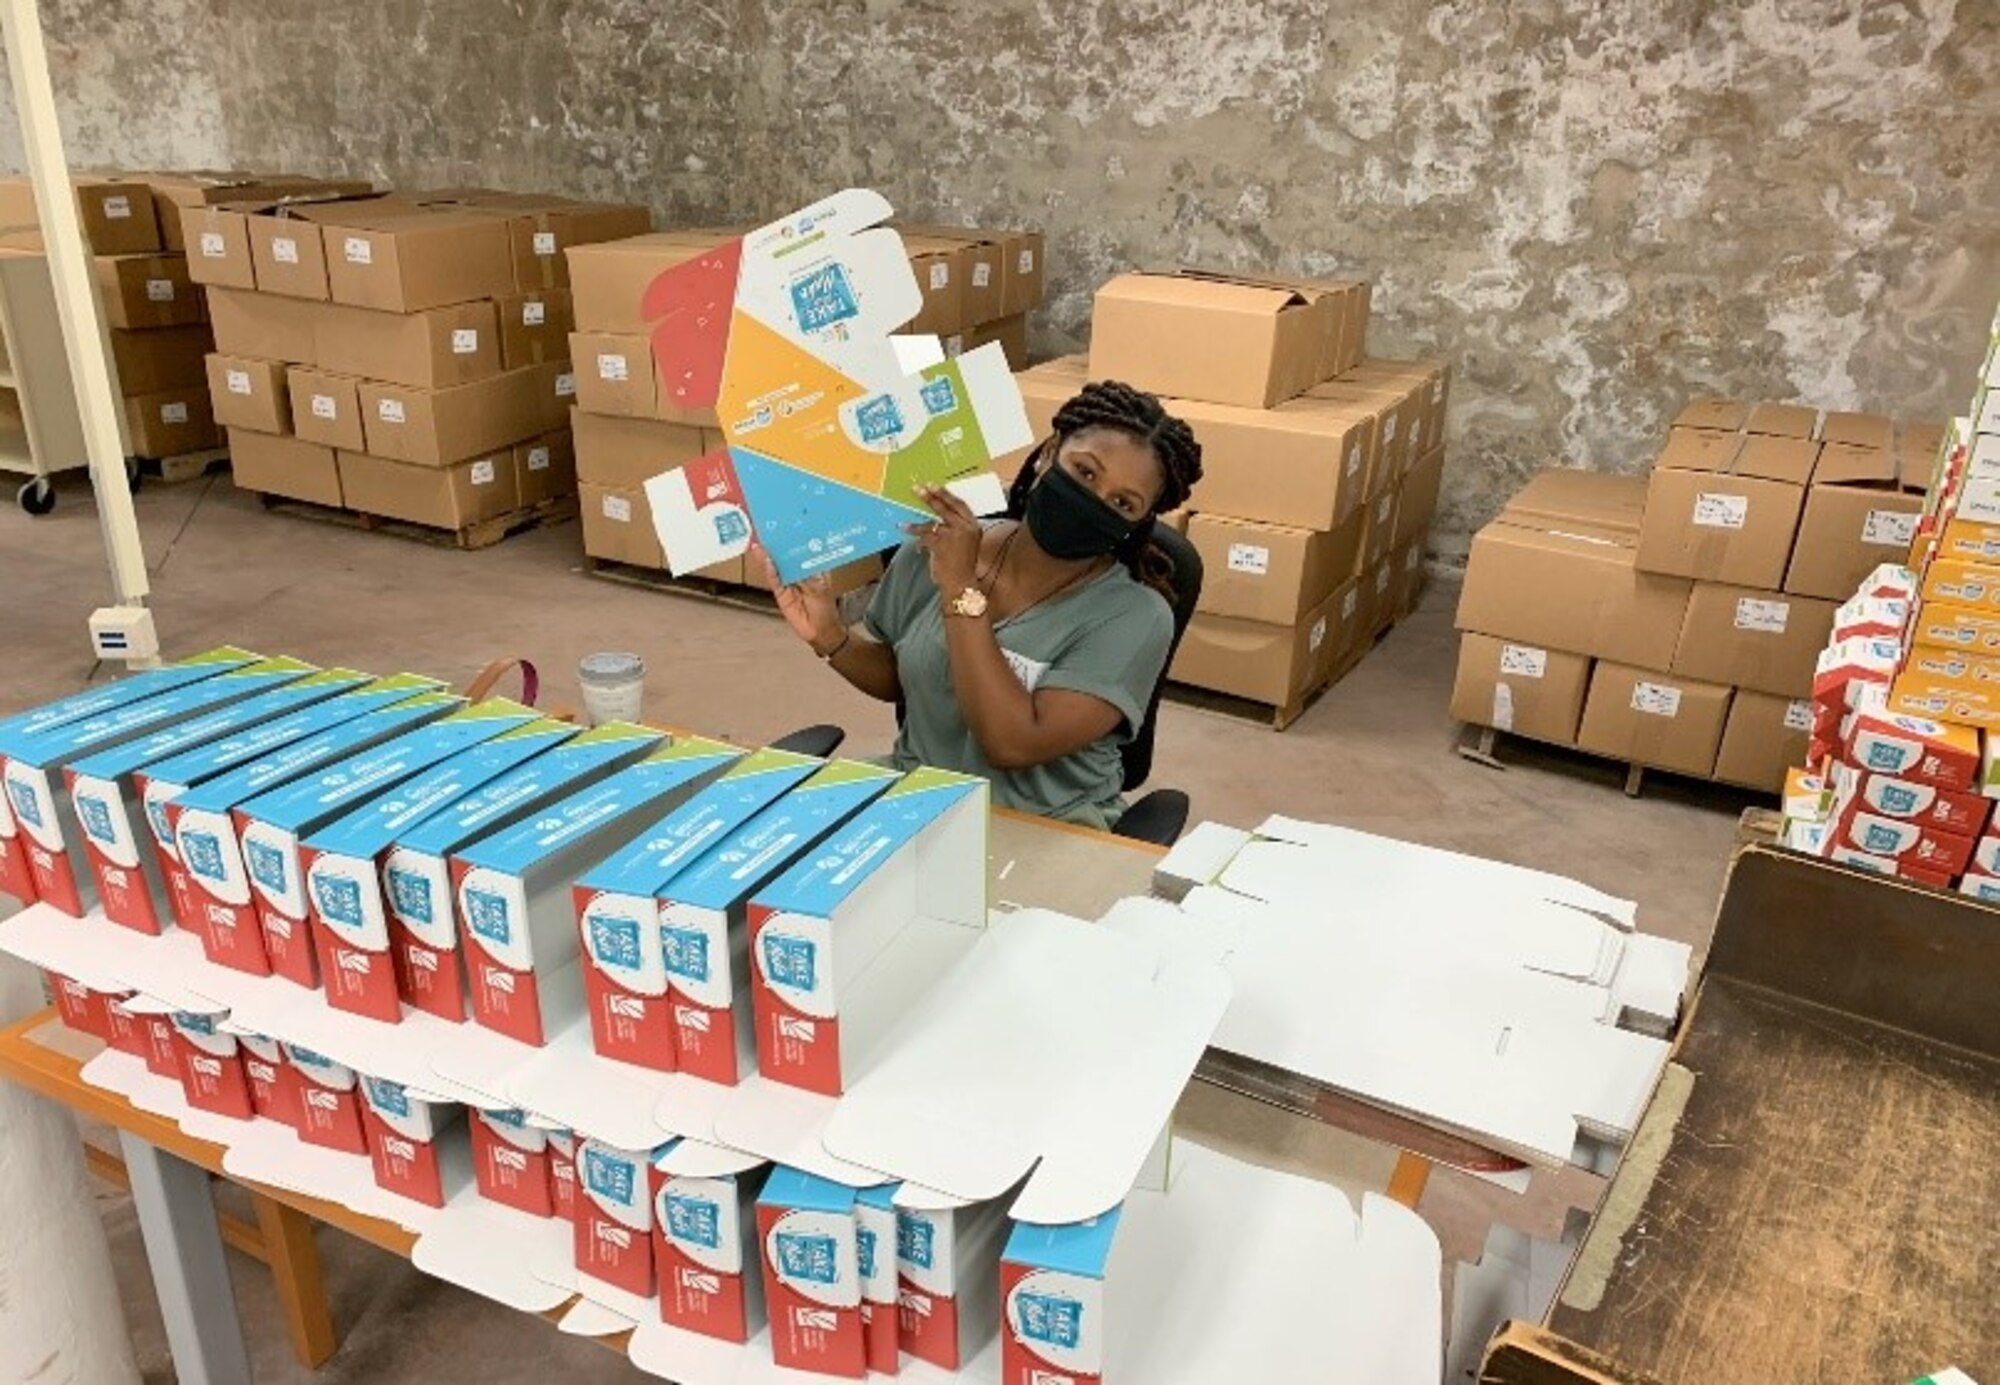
x,y
156,322
1320,468
1900,774
404,356
978,287
1673,622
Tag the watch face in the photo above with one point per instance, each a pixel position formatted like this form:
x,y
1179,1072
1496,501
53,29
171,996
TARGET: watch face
x,y
971,602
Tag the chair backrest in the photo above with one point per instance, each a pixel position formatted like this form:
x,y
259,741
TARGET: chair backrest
x,y
1138,752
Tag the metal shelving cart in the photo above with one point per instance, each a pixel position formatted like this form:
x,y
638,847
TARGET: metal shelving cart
x,y
41,431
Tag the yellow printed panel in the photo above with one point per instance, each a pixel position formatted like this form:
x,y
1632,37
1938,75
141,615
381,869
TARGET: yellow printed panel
x,y
795,411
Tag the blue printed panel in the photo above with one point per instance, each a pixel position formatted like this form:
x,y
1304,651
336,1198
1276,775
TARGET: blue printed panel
x,y
1897,798
156,814
878,418
487,914
810,1258
608,1177
204,855
614,941
1876,837
388,1096
686,952
864,1239
694,1219
1052,1318
267,865
339,899
823,297
26,806
411,895
914,1241
938,395
809,524
96,819
789,961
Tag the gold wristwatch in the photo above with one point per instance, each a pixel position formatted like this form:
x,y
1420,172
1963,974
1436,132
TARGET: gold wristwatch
x,y
971,602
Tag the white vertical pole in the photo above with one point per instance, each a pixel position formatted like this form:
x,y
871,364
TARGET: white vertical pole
x,y
76,297
60,1319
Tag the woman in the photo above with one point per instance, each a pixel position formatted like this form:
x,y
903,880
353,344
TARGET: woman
x,y
1027,649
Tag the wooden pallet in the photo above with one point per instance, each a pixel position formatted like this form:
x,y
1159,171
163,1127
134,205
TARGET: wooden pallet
x,y
479,534
1277,718
1481,744
697,588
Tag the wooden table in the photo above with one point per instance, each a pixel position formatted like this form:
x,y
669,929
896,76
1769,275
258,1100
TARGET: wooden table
x,y
1814,1194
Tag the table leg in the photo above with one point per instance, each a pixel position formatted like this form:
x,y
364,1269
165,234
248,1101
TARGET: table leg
x,y
190,1273
294,1261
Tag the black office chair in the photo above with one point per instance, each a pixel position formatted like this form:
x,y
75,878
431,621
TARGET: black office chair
x,y
1158,817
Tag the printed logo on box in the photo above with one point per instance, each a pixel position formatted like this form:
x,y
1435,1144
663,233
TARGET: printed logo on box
x,y
486,913
1716,510
790,960
696,1220
322,406
916,1241
614,940
160,290
1250,559
824,297
284,250
608,1177
809,1257
212,247
266,863
1899,799
534,313
464,340
878,418
1523,661
938,396
339,899
1050,1319
410,895
686,951
358,250
1875,837
96,819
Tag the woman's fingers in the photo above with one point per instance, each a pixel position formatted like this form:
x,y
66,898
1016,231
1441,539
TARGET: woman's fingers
x,y
948,507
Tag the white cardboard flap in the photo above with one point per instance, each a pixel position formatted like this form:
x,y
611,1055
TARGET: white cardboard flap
x,y
499,1253
916,352
786,1126
700,1159
589,1318
1198,857
1057,1048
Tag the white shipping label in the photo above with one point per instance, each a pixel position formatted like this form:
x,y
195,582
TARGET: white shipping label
x,y
322,406
238,381
1318,635
1523,661
160,290
940,277
390,410
565,385
482,472
1503,707
1413,558
1349,602
1656,699
1025,263
1714,510
118,208
534,312
1385,508
1382,579
611,366
284,250
464,340
982,275
538,459
619,508
173,413
359,250
1250,559
1765,617
1798,714
1890,528
1354,459
545,242
212,246
1389,429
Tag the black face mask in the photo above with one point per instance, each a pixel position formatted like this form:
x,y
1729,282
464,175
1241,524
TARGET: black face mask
x,y
1068,521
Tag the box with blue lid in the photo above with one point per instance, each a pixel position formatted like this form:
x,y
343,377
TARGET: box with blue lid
x,y
705,1240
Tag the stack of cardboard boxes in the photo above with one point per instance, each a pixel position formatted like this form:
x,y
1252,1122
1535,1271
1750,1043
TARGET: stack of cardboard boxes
x,y
155,317
1674,622
405,356
1320,468
977,287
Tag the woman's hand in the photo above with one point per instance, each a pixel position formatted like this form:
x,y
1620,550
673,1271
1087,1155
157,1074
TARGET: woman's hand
x,y
809,607
952,544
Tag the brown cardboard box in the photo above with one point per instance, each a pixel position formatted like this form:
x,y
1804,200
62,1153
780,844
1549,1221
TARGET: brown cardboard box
x,y
1859,430
248,393
170,422
1428,380
625,453
1654,719
615,375
975,268
1270,573
271,465
116,213
433,349
441,427
940,269
258,324
1556,570
1411,577
546,467
1713,415
1022,271
147,291
618,526
1764,737
1724,508
230,242
542,227
163,358
1304,463
1399,405
535,327
1782,421
1273,664
1010,332
608,280
1211,337
1418,505
445,497
1381,531
403,259
1338,347
1521,688
326,408
1861,511
1762,640
175,192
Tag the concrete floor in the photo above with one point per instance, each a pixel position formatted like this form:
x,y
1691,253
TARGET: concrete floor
x,y
1374,753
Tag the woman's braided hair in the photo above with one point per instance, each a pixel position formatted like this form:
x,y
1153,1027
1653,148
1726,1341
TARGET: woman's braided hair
x,y
1109,404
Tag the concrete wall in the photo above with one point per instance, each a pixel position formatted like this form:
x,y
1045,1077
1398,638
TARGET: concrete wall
x,y
1594,211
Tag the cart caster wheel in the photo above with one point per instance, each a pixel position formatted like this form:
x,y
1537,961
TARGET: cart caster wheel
x,y
38,496
135,474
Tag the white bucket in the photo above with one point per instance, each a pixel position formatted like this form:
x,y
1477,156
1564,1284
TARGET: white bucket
x,y
614,686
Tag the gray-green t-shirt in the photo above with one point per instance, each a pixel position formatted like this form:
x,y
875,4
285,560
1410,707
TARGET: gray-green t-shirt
x,y
1107,638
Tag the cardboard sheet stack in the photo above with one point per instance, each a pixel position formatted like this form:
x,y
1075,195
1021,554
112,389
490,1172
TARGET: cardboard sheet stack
x,y
1900,776
977,287
1321,467
400,355
1674,621
156,320
704,1035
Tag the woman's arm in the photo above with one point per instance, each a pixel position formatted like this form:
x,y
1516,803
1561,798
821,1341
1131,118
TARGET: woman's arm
x,y
1017,729
813,612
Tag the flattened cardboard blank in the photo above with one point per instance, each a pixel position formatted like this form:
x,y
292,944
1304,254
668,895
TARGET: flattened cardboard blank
x,y
1054,1053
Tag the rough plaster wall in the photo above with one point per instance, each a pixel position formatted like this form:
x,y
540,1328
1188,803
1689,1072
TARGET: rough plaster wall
x,y
1594,211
